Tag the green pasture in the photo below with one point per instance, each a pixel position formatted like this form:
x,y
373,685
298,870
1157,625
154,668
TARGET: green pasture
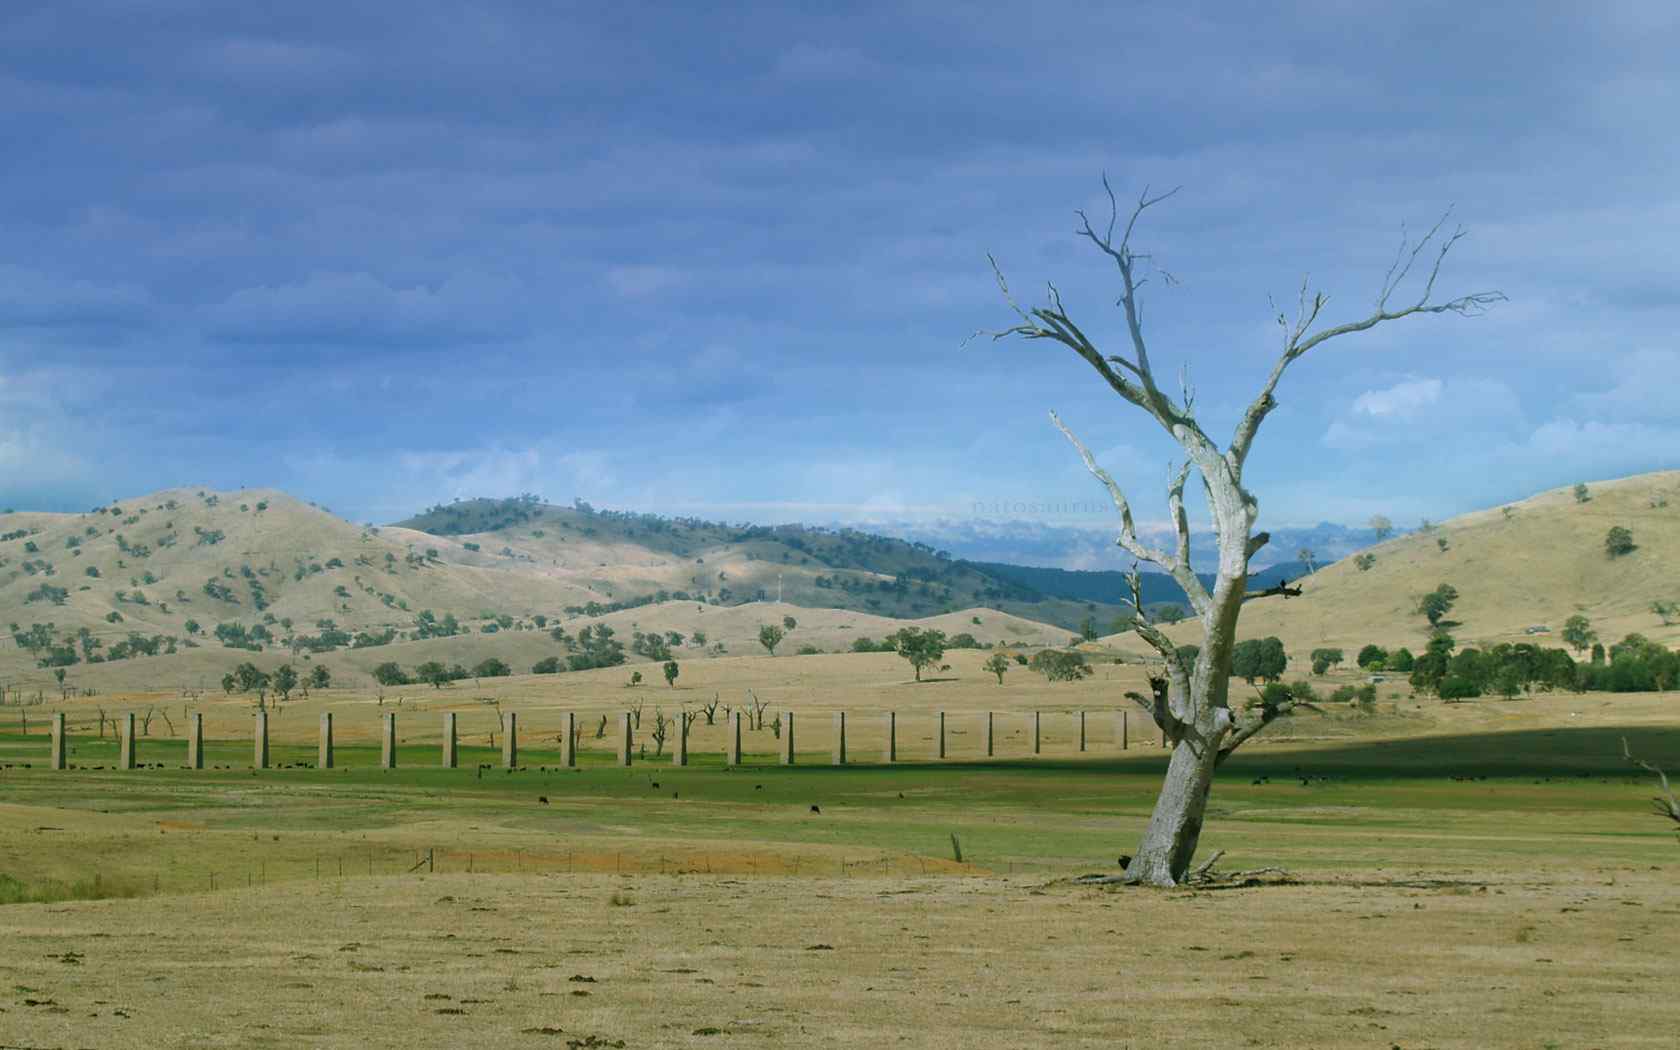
x,y
1492,804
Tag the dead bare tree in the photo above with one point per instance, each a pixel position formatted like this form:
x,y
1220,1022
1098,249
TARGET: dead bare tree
x,y
711,710
167,720
758,707
146,722
1665,804
688,718
1191,701
661,726
636,712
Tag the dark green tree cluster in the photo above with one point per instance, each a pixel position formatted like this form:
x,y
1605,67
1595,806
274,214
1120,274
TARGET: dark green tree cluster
x,y
1259,659
1060,665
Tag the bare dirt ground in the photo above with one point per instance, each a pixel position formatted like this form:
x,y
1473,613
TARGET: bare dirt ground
x,y
1572,957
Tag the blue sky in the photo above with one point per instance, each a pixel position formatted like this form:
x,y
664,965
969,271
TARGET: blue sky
x,y
722,259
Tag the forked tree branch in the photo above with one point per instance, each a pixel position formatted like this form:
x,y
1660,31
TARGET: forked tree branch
x,y
1666,804
1178,563
1297,342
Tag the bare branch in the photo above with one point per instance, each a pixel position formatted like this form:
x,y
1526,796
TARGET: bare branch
x,y
1666,805
1298,342
1282,588
1128,539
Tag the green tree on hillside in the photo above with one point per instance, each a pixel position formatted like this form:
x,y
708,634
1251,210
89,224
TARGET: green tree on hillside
x,y
920,646
997,664
789,623
1437,603
1324,659
320,677
1259,658
770,636
1365,561
1381,526
1581,493
492,667
1618,541
390,673
285,679
671,672
1578,633
433,673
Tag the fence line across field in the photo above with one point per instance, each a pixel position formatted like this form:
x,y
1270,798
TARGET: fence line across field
x,y
626,743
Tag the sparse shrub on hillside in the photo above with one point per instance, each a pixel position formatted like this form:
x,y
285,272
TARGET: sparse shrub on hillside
x,y
1365,561
1581,493
47,593
789,623
1618,541
91,572
1021,658
808,650
1666,611
1441,544
1381,526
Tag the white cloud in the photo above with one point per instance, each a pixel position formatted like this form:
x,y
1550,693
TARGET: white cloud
x,y
1401,401
1457,411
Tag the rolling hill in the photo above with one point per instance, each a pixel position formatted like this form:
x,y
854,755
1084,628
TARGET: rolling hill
x,y
1526,565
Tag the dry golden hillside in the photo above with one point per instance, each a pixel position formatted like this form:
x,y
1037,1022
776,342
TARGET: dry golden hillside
x,y
1527,564
169,568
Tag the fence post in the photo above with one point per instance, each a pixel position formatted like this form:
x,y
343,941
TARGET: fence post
x,y
941,734
510,741
451,755
1035,733
568,746
732,754
324,755
892,736
195,741
125,744
624,739
1081,730
839,738
787,738
679,750
1122,728
388,741
988,734
259,752
58,741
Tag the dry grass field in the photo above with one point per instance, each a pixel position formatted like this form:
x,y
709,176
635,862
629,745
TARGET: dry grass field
x,y
1457,875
